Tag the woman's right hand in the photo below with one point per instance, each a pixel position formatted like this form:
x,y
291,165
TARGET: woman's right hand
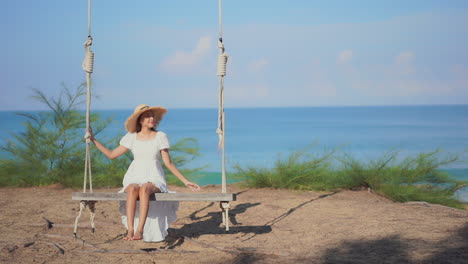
x,y
193,186
89,134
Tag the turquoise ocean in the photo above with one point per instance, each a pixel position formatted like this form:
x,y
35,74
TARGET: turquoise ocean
x,y
258,136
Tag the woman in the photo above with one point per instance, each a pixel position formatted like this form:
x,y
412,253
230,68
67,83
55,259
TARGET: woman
x,y
145,175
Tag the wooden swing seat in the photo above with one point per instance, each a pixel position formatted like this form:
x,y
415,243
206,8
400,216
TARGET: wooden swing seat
x,y
88,199
111,196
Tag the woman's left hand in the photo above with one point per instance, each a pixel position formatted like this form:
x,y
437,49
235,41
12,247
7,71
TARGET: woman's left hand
x,y
193,186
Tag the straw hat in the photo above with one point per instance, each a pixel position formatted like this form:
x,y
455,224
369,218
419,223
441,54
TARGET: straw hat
x,y
131,123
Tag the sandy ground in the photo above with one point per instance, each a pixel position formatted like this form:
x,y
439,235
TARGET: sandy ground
x,y
268,226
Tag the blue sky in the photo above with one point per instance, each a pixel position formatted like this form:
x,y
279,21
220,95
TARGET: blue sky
x,y
282,53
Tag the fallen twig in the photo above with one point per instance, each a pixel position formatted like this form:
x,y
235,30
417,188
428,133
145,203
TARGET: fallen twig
x,y
59,225
418,203
49,223
57,246
425,204
236,250
137,251
70,238
28,244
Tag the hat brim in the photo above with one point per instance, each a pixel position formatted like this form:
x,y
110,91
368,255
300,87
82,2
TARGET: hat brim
x,y
131,123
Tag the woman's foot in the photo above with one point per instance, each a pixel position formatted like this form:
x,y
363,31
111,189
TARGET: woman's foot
x,y
129,235
137,236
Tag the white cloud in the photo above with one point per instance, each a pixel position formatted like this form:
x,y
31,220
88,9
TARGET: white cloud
x,y
404,62
183,61
460,78
383,62
247,93
344,57
405,57
257,65
321,89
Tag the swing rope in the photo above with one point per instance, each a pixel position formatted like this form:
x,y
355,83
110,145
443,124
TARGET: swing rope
x,y
88,66
221,72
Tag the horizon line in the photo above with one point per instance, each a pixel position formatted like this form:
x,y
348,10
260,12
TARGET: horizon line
x,y
257,107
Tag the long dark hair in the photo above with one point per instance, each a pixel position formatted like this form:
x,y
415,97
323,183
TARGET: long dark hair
x,y
138,125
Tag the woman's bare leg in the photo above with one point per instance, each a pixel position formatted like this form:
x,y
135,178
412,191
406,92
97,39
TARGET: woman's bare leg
x,y
145,191
133,192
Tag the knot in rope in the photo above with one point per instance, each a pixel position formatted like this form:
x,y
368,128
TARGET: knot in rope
x,y
88,62
87,136
222,59
221,45
219,131
225,205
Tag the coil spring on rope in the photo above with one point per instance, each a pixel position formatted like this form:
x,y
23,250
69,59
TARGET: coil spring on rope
x,y
88,62
222,60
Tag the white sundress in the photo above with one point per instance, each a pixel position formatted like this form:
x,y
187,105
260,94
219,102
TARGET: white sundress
x,y
146,167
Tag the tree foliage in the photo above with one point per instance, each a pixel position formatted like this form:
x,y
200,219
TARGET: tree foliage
x,y
415,178
51,149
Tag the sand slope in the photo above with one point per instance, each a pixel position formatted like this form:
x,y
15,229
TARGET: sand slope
x,y
268,226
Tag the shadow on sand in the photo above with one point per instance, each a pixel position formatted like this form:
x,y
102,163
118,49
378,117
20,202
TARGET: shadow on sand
x,y
394,249
391,249
210,223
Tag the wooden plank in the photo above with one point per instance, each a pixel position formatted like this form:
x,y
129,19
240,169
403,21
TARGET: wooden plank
x,y
95,196
99,196
195,197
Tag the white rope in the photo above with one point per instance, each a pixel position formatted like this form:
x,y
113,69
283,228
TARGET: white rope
x,y
89,17
92,211
220,14
221,72
91,205
220,132
82,207
225,206
88,62
222,60
88,67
